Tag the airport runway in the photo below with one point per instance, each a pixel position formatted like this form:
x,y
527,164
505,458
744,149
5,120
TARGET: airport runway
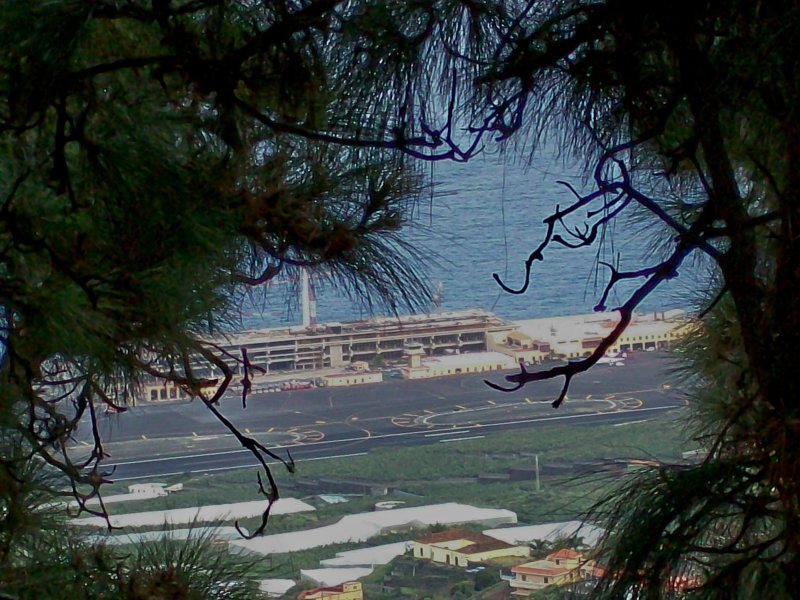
x,y
160,440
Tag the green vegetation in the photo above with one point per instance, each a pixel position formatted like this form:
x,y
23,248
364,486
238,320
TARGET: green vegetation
x,y
433,476
161,159
44,558
406,577
158,158
560,498
685,113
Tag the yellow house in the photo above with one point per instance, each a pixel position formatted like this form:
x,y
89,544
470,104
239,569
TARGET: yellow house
x,y
350,590
559,568
460,547
566,558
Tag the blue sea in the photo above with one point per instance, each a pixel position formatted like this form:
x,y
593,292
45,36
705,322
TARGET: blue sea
x,y
485,217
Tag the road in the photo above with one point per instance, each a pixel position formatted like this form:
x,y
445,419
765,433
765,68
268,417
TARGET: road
x,y
160,440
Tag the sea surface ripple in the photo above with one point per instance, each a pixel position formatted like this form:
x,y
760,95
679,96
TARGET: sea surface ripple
x,y
485,217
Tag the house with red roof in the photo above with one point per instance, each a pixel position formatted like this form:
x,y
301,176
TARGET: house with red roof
x,y
460,547
349,590
565,557
559,568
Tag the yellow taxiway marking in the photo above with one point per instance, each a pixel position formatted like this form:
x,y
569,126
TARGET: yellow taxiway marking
x,y
492,402
459,407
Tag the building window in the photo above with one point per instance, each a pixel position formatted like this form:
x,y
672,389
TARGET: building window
x,y
153,394
547,580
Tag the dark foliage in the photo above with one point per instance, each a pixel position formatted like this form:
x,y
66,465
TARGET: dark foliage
x,y
686,114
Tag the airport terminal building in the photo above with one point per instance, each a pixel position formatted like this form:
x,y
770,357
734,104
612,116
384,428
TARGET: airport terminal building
x,y
333,345
338,345
429,345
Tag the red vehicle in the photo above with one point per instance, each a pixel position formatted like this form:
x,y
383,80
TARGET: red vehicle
x,y
295,384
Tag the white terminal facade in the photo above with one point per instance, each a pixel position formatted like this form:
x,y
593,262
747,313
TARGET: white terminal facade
x,y
446,343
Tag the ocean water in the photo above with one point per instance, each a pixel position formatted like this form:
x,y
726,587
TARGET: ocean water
x,y
485,217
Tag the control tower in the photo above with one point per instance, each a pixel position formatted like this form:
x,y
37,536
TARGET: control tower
x,y
414,351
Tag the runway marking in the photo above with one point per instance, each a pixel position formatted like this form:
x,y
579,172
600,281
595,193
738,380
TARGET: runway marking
x,y
382,436
492,406
492,402
317,422
349,421
255,464
309,434
474,437
458,406
627,403
451,432
405,420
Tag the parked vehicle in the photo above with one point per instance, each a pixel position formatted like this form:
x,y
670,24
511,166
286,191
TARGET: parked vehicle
x,y
296,384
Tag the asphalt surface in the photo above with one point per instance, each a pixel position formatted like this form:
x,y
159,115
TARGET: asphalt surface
x,y
159,440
